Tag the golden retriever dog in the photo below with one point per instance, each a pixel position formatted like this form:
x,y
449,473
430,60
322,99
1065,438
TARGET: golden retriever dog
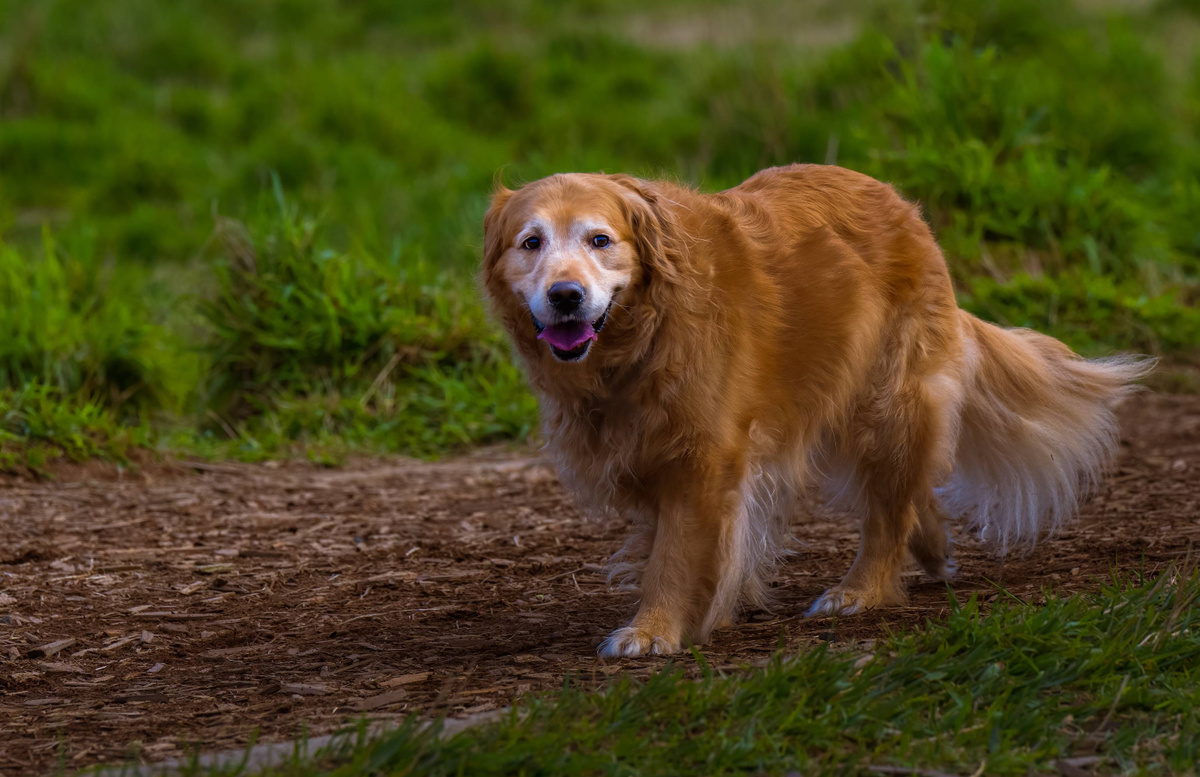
x,y
701,358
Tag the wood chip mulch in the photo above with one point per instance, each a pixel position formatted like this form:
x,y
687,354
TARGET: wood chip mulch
x,y
144,615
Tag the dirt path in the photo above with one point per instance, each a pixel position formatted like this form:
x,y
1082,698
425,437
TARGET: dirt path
x,y
197,607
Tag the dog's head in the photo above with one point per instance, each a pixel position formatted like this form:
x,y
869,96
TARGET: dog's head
x,y
566,257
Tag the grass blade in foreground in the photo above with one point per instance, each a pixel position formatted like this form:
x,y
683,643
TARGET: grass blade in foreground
x,y
1116,675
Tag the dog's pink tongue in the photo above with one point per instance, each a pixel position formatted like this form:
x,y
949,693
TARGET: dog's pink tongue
x,y
568,336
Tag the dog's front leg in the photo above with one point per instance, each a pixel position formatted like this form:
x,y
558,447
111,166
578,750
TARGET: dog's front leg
x,y
686,568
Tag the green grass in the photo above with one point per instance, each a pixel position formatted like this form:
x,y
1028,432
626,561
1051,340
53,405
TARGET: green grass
x,y
77,324
258,232
344,348
39,426
1006,692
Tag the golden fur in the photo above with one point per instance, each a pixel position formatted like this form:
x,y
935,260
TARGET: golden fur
x,y
799,327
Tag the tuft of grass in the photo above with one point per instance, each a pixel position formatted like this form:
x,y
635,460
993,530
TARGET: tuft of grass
x,y
78,325
1013,691
39,426
324,347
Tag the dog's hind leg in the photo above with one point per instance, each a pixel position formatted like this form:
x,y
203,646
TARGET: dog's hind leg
x,y
903,442
930,543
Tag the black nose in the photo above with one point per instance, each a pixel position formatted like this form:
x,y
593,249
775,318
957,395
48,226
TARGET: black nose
x,y
565,296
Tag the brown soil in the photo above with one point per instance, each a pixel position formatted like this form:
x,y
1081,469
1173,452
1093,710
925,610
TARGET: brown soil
x,y
201,606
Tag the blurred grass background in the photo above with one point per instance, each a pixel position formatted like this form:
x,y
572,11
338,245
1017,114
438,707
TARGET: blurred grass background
x,y
251,230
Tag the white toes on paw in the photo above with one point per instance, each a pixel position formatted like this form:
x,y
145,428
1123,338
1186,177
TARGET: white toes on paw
x,y
838,601
631,641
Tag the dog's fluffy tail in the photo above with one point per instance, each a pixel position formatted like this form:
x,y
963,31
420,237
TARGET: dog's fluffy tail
x,y
1037,430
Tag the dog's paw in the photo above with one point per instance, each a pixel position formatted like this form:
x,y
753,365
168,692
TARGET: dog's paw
x,y
948,570
939,567
843,601
631,641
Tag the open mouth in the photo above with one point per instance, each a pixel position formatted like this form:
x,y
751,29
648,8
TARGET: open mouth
x,y
570,340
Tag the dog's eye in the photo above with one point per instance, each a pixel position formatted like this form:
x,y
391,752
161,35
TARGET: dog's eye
x,y
600,241
531,244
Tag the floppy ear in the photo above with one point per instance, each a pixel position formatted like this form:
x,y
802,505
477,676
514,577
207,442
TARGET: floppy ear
x,y
493,235
656,228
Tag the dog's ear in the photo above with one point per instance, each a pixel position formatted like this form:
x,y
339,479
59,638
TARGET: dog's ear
x,y
493,234
655,226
